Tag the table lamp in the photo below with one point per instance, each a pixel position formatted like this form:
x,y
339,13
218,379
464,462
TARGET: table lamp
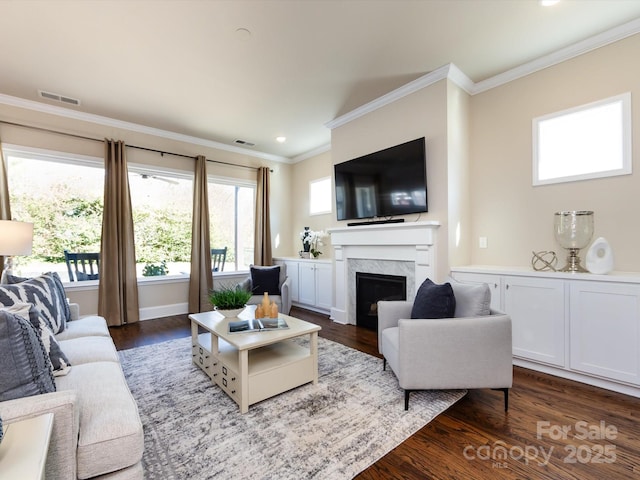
x,y
16,238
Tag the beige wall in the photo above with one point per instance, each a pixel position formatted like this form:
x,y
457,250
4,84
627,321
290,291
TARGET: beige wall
x,y
516,217
153,294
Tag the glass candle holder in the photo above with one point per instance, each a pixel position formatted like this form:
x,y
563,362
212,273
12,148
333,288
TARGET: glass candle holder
x,y
573,231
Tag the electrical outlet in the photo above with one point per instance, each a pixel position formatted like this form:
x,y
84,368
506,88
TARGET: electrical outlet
x,y
482,242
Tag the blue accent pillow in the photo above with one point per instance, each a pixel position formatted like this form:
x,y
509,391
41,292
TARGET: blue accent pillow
x,y
265,279
434,301
24,364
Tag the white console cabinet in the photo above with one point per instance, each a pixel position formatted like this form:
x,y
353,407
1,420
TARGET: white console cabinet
x,y
311,284
579,326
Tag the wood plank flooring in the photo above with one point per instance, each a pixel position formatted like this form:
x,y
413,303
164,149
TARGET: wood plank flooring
x,y
475,438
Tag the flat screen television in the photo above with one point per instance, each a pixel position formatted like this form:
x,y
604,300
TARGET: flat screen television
x,y
390,182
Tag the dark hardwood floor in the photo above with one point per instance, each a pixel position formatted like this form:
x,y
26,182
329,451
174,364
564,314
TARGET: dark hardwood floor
x,y
554,429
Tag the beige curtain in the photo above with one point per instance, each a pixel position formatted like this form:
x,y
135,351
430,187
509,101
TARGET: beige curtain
x,y
262,254
118,289
5,207
201,280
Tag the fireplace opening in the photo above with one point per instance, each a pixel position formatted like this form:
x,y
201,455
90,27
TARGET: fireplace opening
x,y
371,287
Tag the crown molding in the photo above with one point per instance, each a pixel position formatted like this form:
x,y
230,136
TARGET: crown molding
x,y
312,153
605,38
134,127
411,87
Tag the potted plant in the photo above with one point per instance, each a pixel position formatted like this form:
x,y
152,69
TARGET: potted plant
x,y
229,301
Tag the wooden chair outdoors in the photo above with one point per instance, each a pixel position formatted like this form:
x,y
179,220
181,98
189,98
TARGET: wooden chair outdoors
x,y
82,266
218,257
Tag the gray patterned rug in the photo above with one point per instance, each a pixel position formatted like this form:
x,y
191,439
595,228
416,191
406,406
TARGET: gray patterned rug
x,y
334,430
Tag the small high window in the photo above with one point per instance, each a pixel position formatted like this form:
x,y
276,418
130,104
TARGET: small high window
x,y
589,141
320,196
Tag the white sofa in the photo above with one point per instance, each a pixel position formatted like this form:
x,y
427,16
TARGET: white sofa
x,y
97,432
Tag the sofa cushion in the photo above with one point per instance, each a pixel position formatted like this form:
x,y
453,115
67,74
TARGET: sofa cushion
x,y
89,349
265,279
434,301
111,435
58,360
24,365
472,300
91,325
45,292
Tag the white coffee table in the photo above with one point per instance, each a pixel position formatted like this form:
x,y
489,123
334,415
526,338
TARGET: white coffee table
x,y
251,367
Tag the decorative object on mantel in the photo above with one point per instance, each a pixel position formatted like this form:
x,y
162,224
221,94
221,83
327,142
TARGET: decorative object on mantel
x,y
573,231
599,258
543,261
311,240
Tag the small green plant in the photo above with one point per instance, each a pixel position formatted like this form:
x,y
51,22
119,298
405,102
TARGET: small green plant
x,y
155,269
229,298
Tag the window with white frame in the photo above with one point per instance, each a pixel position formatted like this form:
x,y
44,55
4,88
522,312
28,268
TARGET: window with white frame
x,y
320,196
231,220
589,141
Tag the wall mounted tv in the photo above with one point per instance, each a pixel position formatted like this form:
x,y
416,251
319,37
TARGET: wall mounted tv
x,y
383,184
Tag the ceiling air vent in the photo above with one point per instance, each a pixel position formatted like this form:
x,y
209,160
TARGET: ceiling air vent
x,y
56,97
244,143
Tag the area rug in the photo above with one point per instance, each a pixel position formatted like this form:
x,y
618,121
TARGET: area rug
x,y
333,430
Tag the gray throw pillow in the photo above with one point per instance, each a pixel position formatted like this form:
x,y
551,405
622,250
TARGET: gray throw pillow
x,y
45,292
59,361
472,300
265,279
434,301
24,364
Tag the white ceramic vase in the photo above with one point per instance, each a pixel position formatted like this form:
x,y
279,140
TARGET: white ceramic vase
x,y
599,257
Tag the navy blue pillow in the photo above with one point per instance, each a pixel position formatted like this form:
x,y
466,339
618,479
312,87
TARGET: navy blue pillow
x,y
265,279
434,301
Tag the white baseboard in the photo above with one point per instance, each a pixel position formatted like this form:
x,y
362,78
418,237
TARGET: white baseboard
x,y
160,311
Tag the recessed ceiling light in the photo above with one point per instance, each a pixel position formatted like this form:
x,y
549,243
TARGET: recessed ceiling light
x,y
281,139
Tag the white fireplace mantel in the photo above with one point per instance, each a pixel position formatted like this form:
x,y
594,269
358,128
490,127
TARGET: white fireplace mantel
x,y
413,242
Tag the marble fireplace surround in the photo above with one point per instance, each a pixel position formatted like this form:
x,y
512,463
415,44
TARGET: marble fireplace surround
x,y
406,249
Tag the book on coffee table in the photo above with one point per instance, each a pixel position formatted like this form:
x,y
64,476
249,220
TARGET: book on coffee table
x,y
257,325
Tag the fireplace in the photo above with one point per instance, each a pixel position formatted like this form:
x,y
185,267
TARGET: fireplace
x,y
371,287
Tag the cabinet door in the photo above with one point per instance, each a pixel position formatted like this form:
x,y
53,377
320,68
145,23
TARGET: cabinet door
x,y
292,273
494,282
324,286
537,310
307,283
605,329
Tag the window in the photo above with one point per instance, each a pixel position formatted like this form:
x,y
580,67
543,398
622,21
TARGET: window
x,y
162,201
590,141
62,195
231,218
320,196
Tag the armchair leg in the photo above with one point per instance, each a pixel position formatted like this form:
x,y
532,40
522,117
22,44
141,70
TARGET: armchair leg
x,y
506,397
406,399
384,364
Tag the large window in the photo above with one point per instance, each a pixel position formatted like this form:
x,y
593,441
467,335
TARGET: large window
x,y
590,141
63,198
231,218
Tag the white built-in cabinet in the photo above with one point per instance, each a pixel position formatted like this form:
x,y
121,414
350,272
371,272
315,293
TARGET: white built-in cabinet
x,y
579,326
311,284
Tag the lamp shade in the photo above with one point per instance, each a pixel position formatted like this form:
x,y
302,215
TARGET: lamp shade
x,y
16,238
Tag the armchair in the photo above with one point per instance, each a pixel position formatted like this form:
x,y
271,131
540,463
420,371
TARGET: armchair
x,y
450,353
282,298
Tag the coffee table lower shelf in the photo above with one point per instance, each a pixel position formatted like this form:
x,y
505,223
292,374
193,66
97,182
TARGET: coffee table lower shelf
x,y
272,369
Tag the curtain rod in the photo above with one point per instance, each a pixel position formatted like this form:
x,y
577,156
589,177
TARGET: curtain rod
x,y
161,152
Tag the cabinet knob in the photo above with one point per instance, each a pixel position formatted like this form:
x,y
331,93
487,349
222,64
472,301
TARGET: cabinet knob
x,y
507,287
495,285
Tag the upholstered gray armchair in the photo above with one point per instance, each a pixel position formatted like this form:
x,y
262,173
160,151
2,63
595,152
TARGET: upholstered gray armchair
x,y
282,299
452,353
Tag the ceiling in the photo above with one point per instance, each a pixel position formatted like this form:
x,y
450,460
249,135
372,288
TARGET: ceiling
x,y
255,70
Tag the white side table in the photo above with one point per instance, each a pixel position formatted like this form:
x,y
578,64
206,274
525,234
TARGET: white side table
x,y
23,451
